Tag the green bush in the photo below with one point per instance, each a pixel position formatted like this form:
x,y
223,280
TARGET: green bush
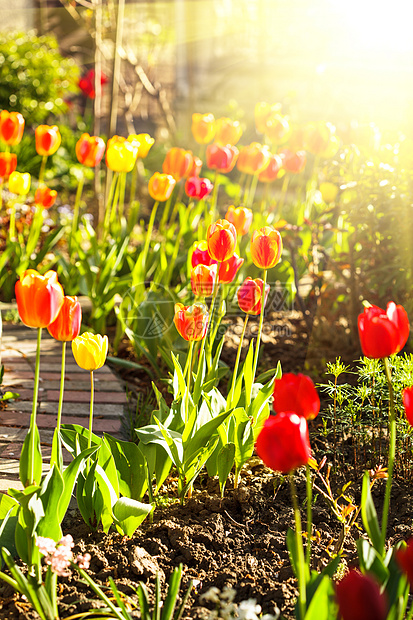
x,y
35,79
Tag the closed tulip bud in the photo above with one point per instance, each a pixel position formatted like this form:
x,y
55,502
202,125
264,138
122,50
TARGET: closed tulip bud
x,y
39,298
263,111
198,188
195,168
329,192
90,350
383,333
277,129
253,158
241,217
11,127
222,240
191,321
221,158
203,278
249,295
45,197
19,183
160,186
8,163
404,558
293,162
66,326
48,139
296,393
200,254
143,141
266,247
227,132
407,395
120,154
320,139
359,598
177,163
228,269
283,443
203,127
273,171
90,150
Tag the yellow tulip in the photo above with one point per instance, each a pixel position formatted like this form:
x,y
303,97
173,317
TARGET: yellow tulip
x,y
143,141
19,183
90,350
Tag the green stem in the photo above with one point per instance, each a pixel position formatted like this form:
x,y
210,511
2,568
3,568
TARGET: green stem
x,y
188,381
214,199
241,187
89,441
62,386
247,190
302,599
118,614
134,183
149,233
108,204
253,189
34,407
284,189
12,224
122,184
76,209
257,348
165,213
309,515
112,216
392,455
42,169
234,375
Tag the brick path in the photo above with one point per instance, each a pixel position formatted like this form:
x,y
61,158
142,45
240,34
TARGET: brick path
x,y
18,353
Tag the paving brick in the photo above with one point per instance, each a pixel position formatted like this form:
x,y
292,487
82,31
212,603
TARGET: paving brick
x,y
84,397
104,410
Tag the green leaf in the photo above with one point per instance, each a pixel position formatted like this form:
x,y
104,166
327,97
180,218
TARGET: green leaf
x,y
247,369
264,376
322,605
129,514
371,560
225,462
29,462
130,466
203,436
8,529
70,476
292,550
369,515
179,382
50,494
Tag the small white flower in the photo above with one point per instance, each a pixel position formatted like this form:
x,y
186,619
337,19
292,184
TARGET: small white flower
x,y
211,595
249,610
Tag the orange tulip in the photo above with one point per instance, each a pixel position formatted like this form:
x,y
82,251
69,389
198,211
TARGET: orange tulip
x,y
195,169
241,217
228,132
39,298
160,186
266,247
48,139
11,127
293,162
178,163
89,150
203,127
203,278
191,321
253,158
320,139
222,240
249,295
278,129
45,197
66,326
228,269
8,164
263,111
273,171
221,158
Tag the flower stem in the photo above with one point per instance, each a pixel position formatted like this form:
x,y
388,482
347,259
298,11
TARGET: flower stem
x,y
34,407
76,208
309,489
188,381
89,441
234,375
149,234
392,454
12,224
302,599
62,386
257,348
108,204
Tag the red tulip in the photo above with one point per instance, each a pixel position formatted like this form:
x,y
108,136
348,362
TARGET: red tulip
x,y
228,269
178,163
203,278
266,247
241,217
191,321
383,333
408,404
404,558
221,239
45,197
249,295
283,443
200,255
47,139
359,598
39,298
273,170
66,326
221,158
296,393
11,127
198,188
8,164
293,162
87,83
89,150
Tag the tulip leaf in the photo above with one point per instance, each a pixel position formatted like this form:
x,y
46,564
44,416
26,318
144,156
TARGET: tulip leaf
x,y
247,371
8,528
369,515
322,606
203,436
225,462
31,463
129,514
179,383
70,475
130,466
371,561
50,494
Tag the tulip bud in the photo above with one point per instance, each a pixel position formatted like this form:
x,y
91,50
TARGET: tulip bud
x,y
222,240
227,132
241,217
263,111
191,321
359,598
203,127
39,298
228,269
120,154
11,127
90,150
48,139
45,197
253,158
407,396
383,333
19,183
404,558
293,162
177,163
143,141
200,254
160,186
203,278
90,350
277,129
249,295
273,171
296,393
266,247
198,188
329,192
221,158
66,326
283,443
